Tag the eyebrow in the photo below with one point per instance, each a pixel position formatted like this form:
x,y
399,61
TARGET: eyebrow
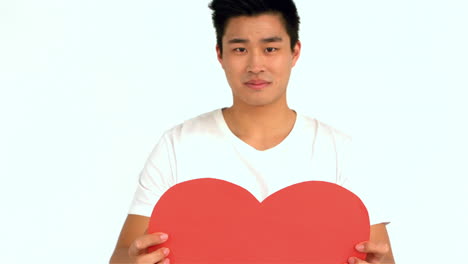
x,y
264,40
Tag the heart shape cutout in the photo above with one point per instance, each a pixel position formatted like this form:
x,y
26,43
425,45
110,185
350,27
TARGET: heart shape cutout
x,y
213,221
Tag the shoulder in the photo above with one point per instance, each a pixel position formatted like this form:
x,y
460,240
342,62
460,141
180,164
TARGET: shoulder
x,y
324,131
201,126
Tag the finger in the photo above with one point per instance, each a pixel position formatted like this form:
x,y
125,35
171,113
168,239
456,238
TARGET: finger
x,y
374,259
157,256
354,260
164,261
145,241
378,249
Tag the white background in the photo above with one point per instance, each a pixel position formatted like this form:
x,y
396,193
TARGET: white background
x,y
87,87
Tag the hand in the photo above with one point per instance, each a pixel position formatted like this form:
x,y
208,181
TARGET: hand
x,y
376,253
138,254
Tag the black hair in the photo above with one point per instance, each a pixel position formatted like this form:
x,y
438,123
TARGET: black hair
x,y
223,10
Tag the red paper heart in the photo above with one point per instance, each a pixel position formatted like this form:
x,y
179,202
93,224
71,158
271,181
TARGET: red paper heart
x,y
212,221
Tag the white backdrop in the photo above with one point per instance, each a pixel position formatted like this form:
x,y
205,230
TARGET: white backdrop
x,y
87,87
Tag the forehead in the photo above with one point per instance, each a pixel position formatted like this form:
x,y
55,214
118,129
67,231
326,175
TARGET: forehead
x,y
252,27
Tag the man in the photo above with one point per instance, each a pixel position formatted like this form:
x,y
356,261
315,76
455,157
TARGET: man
x,y
258,143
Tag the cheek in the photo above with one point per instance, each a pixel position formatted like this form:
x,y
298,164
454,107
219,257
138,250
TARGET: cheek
x,y
233,69
233,75
280,67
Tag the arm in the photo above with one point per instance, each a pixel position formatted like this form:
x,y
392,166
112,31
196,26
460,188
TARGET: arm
x,y
133,242
378,247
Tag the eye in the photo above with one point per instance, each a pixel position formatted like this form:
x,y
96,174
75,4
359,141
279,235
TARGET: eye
x,y
240,50
270,50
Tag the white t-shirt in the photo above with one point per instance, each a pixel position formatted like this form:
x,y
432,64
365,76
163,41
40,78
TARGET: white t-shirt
x,y
205,147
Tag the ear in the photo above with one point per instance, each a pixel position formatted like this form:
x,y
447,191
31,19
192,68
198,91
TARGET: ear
x,y
219,55
296,52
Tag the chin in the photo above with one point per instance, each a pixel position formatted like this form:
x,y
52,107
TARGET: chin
x,y
257,100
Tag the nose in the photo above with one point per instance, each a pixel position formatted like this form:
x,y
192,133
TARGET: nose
x,y
256,63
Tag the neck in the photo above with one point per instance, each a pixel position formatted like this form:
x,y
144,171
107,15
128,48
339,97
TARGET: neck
x,y
259,121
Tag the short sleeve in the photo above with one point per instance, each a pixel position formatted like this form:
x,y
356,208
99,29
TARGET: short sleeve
x,y
156,177
353,178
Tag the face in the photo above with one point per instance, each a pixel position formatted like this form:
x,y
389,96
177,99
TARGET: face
x,y
257,59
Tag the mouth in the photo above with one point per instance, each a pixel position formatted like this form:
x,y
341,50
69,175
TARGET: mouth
x,y
257,84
